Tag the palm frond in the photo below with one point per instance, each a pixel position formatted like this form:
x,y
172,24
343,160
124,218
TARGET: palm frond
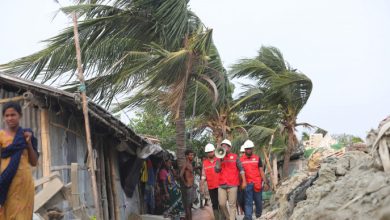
x,y
252,68
174,16
272,58
260,135
290,89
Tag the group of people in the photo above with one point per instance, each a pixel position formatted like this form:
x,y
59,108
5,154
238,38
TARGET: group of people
x,y
226,177
18,152
231,176
166,191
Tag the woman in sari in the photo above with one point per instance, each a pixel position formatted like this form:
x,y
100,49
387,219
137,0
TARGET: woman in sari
x,y
170,192
18,153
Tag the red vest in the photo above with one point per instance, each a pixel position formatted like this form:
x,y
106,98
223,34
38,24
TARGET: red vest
x,y
212,177
229,174
252,173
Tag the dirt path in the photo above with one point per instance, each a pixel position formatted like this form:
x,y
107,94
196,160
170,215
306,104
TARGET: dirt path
x,y
197,214
203,214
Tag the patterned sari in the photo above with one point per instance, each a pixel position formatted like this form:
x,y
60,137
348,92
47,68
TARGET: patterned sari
x,y
173,206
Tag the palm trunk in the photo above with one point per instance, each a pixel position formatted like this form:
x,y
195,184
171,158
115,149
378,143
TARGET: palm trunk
x,y
287,154
218,136
180,118
181,134
218,140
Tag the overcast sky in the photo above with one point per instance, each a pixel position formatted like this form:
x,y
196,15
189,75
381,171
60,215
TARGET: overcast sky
x,y
342,45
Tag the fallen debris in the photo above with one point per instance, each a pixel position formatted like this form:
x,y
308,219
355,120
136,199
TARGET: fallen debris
x,y
350,184
347,188
381,144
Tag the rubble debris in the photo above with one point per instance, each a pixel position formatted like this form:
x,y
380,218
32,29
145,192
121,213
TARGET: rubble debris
x,y
314,162
269,215
358,147
289,193
351,184
55,214
380,142
347,188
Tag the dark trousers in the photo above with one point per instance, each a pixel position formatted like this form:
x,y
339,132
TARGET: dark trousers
x,y
241,198
214,198
250,196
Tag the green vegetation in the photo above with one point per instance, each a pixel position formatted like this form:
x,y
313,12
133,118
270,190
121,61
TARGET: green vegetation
x,y
337,146
278,88
308,152
347,139
151,122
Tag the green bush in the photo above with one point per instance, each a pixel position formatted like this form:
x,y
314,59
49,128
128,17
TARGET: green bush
x,y
337,146
266,195
308,152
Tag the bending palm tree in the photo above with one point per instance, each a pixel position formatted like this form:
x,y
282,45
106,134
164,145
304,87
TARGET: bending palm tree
x,y
157,50
279,88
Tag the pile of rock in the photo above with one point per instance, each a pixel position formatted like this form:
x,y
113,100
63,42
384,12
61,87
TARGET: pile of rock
x,y
347,188
357,147
379,141
354,184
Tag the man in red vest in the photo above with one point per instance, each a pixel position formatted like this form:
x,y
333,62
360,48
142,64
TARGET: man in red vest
x,y
254,176
212,178
230,169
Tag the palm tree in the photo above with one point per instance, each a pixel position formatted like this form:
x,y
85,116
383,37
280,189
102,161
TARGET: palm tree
x,y
224,118
157,50
218,117
173,76
305,136
278,88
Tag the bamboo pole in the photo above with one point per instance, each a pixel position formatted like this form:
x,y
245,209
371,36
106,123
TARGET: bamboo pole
x,y
269,168
13,99
108,177
45,142
271,173
86,118
275,168
103,183
114,179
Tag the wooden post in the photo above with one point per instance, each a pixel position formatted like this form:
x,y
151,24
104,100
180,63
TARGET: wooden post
x,y
13,99
114,179
269,168
107,175
45,142
78,210
86,119
74,176
275,168
103,182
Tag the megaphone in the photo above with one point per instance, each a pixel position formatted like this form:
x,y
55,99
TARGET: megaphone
x,y
220,152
